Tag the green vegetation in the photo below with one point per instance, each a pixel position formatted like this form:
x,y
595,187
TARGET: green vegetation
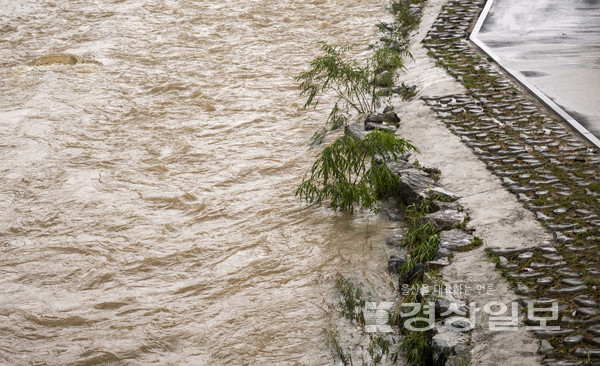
x,y
346,172
332,340
406,19
379,347
416,348
352,301
354,84
422,242
351,307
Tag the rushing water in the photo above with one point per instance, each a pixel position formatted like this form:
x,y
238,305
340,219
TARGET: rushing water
x,y
148,209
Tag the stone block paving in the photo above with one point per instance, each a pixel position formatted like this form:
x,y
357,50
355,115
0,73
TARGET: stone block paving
x,y
550,170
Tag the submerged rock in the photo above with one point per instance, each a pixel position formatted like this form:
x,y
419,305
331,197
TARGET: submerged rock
x,y
61,59
7,28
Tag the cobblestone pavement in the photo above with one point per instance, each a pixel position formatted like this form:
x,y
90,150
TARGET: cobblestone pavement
x,y
550,170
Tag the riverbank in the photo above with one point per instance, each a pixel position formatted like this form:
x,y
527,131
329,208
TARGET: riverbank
x,y
527,182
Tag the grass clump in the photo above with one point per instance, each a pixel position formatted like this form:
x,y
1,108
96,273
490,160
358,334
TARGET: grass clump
x,y
416,348
422,242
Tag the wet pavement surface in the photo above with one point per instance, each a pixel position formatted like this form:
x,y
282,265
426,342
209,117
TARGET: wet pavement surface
x,y
554,45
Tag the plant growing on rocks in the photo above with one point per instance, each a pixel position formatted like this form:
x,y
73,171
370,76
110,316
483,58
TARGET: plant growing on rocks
x,y
354,84
347,173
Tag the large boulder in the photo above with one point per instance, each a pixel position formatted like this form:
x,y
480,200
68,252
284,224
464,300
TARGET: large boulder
x,y
414,182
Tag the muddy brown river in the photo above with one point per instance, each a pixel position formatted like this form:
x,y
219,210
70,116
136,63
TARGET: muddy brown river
x,y
147,204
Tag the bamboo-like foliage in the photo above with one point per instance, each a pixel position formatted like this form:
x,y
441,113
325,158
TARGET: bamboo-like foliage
x,y
346,173
353,83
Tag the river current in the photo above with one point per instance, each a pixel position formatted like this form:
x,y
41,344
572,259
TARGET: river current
x,y
148,209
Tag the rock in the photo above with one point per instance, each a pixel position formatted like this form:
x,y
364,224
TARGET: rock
x,y
370,126
567,290
554,257
536,265
545,280
61,59
587,311
595,330
567,273
397,260
394,214
568,321
506,251
414,183
587,352
543,334
524,290
525,275
449,305
545,347
407,277
356,131
552,362
446,343
395,240
573,340
441,262
374,118
585,301
445,219
541,217
390,117
458,324
525,255
439,193
562,238
548,249
414,11
572,282
560,227
451,240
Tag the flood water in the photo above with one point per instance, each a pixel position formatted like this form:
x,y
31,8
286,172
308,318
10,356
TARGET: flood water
x,y
148,209
555,45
